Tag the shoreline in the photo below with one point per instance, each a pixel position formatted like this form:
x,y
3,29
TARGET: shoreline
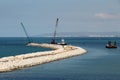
x,y
31,59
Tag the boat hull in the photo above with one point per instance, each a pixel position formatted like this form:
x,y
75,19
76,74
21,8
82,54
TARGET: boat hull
x,y
111,46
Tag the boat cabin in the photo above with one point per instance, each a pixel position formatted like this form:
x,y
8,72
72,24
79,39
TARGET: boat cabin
x,y
62,42
111,44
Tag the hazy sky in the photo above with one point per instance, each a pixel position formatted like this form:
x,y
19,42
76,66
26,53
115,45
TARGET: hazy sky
x,y
39,16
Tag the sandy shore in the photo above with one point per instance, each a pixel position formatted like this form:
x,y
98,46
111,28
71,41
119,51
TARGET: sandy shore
x,y
26,60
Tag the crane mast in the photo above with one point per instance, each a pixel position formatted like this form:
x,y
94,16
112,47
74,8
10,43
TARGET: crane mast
x,y
54,37
29,41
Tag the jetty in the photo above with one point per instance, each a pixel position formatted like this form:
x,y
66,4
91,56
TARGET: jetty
x,y
58,52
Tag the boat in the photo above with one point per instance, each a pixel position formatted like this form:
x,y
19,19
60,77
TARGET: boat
x,y
111,44
62,42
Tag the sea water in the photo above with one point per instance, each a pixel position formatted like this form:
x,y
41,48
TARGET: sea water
x,y
99,63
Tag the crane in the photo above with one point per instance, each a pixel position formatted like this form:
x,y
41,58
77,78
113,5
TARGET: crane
x,y
54,36
29,41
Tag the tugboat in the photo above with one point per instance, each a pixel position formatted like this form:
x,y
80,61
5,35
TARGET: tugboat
x,y
62,42
111,44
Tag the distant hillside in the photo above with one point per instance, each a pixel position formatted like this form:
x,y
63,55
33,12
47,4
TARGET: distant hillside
x,y
82,34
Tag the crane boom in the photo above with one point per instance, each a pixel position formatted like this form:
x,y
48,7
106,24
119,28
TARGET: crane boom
x,y
53,40
56,28
25,32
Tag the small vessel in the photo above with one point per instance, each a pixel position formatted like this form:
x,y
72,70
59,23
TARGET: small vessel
x,y
62,42
111,44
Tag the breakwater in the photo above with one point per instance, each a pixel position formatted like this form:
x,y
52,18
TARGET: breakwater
x,y
26,60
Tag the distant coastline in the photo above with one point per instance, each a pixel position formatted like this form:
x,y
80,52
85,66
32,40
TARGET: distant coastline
x,y
81,34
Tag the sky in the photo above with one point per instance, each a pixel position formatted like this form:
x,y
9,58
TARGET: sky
x,y
39,16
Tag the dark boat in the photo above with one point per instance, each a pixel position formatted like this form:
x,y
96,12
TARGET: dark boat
x,y
111,44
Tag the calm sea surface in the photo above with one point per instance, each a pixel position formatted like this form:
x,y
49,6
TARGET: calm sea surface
x,y
98,64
